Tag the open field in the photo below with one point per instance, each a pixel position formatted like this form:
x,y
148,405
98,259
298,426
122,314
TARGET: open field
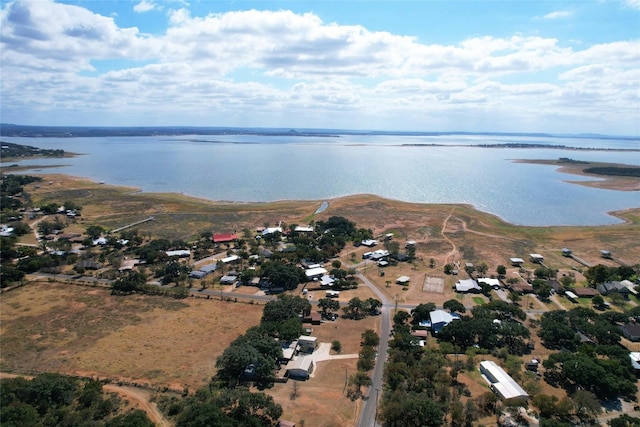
x,y
48,327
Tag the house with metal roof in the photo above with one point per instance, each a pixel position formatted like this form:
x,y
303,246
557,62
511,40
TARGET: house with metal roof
x,y
467,285
500,382
440,319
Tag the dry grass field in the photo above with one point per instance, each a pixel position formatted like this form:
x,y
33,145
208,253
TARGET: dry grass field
x,y
48,327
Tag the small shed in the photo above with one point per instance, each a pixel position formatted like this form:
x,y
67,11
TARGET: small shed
x,y
605,254
402,280
572,297
566,252
516,262
536,258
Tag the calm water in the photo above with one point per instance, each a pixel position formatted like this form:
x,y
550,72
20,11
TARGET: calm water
x,y
267,168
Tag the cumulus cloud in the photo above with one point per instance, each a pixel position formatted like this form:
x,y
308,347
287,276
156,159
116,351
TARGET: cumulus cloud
x,y
281,63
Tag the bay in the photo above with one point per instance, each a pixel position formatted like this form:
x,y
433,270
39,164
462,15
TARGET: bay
x,y
262,168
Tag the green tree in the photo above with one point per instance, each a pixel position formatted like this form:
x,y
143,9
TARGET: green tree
x,y
454,306
94,231
448,268
587,405
624,420
328,305
482,268
370,338
597,301
373,305
134,418
412,410
501,270
422,312
360,379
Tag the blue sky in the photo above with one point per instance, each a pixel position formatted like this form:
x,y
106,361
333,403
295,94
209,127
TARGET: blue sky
x,y
505,66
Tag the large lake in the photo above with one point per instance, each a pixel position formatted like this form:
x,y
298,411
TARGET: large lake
x,y
267,168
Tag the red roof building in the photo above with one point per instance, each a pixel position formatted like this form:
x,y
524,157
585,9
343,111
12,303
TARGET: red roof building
x,y
224,238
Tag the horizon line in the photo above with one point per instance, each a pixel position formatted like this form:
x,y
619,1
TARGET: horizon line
x,y
298,130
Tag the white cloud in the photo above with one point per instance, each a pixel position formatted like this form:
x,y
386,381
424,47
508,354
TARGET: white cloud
x,y
635,4
559,14
146,6
261,65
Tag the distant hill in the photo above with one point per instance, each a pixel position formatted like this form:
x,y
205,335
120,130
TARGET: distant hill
x,y
97,131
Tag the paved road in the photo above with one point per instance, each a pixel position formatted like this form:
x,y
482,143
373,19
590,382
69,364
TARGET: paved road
x,y
368,413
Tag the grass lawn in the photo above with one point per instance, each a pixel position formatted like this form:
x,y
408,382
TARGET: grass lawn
x,y
478,300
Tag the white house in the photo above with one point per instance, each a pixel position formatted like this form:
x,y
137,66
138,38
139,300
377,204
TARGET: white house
x,y
315,272
500,382
303,229
178,253
494,283
467,285
327,280
516,262
271,230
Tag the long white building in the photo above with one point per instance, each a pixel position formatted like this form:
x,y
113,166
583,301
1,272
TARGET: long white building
x,y
500,382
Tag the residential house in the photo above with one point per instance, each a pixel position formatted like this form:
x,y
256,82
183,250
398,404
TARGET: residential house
x,y
500,382
224,237
494,283
440,319
585,292
631,331
467,285
607,288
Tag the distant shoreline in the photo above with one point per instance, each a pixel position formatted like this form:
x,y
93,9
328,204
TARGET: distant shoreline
x,y
13,130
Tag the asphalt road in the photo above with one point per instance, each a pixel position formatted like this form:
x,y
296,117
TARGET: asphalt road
x,y
368,414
